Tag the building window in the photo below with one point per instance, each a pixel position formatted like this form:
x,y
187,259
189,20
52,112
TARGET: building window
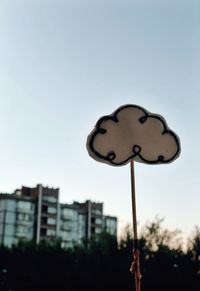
x,y
9,241
20,216
49,198
51,221
52,210
9,229
96,211
24,217
98,221
24,205
22,230
9,217
51,232
27,217
98,230
9,205
69,213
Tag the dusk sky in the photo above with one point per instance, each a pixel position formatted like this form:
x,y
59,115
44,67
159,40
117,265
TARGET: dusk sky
x,y
64,64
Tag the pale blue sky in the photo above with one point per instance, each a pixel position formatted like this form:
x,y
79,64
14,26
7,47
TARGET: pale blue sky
x,y
64,64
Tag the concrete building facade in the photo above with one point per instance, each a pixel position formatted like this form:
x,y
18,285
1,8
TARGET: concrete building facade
x,y
36,214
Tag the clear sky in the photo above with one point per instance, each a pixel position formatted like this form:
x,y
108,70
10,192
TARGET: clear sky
x,y
64,64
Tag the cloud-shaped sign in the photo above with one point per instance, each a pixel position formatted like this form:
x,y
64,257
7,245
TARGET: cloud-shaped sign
x,y
133,133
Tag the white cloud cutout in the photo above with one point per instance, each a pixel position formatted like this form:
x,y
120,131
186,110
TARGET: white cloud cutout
x,y
131,132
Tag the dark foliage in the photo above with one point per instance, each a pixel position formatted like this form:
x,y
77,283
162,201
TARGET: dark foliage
x,y
103,264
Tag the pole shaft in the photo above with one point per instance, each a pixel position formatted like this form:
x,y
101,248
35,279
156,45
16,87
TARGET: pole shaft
x,y
135,268
134,214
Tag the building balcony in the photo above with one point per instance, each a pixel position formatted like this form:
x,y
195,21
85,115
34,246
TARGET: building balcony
x,y
24,222
23,210
45,225
49,203
48,215
66,228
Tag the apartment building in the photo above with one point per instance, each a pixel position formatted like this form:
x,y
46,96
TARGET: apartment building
x,y
36,214
80,221
17,219
46,201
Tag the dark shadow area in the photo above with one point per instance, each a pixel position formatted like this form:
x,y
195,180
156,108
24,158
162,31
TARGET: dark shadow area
x,y
103,264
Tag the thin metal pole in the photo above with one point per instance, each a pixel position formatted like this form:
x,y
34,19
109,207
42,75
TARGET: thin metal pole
x,y
135,267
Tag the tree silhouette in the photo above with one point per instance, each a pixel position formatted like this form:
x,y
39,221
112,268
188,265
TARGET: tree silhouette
x,y
102,263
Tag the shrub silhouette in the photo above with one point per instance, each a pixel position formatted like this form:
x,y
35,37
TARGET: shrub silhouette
x,y
103,264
